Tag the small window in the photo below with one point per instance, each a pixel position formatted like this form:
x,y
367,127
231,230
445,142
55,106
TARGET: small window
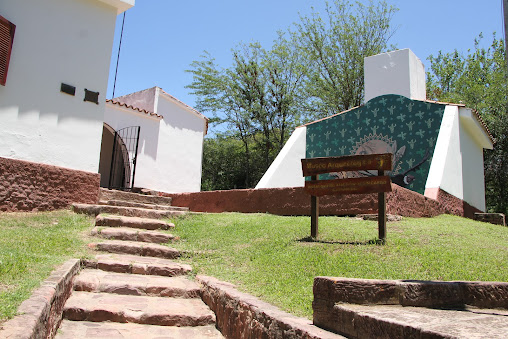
x,y
91,96
6,38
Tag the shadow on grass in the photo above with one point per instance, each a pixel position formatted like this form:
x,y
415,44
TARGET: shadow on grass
x,y
374,241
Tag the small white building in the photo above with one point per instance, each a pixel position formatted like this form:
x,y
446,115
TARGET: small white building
x,y
170,148
52,103
437,147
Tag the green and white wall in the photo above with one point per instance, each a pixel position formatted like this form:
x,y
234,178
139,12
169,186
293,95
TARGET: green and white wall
x,y
435,145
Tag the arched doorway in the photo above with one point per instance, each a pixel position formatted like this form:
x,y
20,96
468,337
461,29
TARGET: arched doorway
x,y
117,164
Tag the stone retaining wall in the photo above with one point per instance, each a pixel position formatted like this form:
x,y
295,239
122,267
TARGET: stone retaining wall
x,y
41,314
295,201
29,186
493,218
329,291
240,315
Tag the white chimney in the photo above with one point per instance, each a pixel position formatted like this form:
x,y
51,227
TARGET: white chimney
x,y
397,72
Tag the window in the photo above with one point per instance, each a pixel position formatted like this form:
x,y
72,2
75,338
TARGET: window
x,y
6,38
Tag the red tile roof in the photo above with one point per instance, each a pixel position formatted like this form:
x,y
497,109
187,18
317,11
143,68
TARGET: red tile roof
x,y
115,102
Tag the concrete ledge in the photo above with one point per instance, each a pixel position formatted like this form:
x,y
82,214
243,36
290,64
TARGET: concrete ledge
x,y
240,315
41,314
328,291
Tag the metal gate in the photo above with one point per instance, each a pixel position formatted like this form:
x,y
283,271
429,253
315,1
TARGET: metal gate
x,y
123,160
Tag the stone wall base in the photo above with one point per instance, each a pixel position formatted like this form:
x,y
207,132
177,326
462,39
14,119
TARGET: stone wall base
x,y
29,186
295,201
240,315
493,218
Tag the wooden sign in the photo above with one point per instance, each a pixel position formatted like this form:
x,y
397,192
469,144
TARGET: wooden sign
x,y
369,184
362,185
365,162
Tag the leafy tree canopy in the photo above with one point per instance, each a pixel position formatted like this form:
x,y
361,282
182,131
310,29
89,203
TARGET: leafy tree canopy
x,y
314,69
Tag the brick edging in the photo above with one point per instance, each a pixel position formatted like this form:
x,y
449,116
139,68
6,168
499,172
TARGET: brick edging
x,y
240,315
40,315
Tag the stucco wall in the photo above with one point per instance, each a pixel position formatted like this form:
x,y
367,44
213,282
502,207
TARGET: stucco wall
x,y
386,124
397,72
120,117
180,148
472,170
446,169
56,41
144,99
286,169
171,149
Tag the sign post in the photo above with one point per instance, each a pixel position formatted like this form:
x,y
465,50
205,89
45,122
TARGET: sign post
x,y
362,185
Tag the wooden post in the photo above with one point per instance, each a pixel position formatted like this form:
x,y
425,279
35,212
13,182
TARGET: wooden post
x,y
381,212
314,213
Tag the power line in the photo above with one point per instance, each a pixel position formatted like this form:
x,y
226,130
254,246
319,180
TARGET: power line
x,y
118,56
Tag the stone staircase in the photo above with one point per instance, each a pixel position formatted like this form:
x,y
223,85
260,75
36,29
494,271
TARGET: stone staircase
x,y
132,288
131,204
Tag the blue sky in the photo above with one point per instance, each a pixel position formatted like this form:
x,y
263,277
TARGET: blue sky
x,y
162,37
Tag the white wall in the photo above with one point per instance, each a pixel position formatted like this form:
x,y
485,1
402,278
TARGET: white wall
x,y
56,41
144,99
119,117
397,72
472,169
180,150
446,168
286,169
169,159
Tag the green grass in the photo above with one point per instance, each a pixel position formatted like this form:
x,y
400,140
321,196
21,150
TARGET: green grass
x,y
273,258
31,246
268,256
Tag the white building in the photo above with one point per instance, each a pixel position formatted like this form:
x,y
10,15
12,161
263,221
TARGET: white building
x,y
437,146
170,149
52,103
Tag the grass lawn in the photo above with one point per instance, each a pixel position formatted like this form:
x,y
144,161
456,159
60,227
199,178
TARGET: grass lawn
x,y
268,256
31,246
273,258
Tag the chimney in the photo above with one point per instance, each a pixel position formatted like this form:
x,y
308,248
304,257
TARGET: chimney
x,y
397,72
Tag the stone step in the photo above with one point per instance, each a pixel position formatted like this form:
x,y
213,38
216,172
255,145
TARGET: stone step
x,y
124,263
106,330
142,205
90,280
136,248
395,321
125,211
87,306
107,194
132,234
132,222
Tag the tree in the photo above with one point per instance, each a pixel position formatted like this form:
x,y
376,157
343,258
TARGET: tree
x,y
222,164
336,47
479,80
311,72
257,98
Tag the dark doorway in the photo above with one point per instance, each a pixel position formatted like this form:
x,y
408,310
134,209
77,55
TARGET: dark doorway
x,y
119,150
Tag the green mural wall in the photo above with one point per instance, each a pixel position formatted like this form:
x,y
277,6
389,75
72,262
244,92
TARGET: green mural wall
x,y
386,124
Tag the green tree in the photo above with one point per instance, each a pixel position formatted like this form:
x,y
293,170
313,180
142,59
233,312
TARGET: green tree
x,y
336,46
479,80
222,164
311,72
257,99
